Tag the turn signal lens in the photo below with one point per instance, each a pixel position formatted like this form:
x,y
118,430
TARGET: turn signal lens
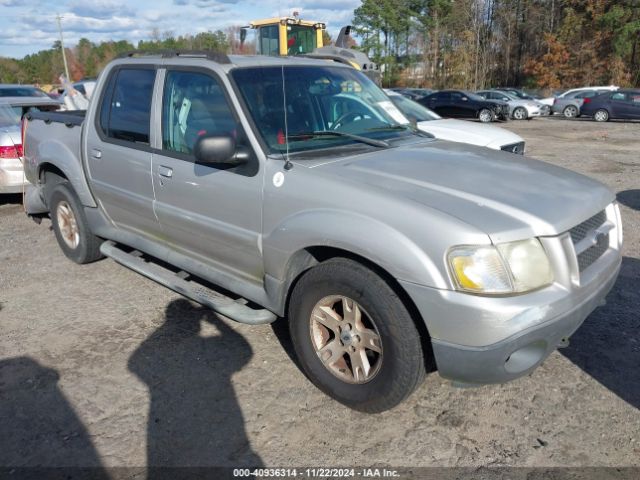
x,y
480,270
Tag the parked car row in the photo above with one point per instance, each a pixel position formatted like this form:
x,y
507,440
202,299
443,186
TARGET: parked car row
x,y
500,104
484,105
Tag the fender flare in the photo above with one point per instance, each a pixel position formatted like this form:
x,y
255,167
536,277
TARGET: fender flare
x,y
53,152
364,236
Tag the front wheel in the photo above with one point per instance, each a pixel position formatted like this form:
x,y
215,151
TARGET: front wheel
x,y
520,113
601,115
354,338
71,227
486,115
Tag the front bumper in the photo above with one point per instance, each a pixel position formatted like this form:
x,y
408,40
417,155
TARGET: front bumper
x,y
11,176
518,355
534,112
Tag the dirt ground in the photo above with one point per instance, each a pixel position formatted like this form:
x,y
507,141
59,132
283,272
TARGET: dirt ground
x,y
102,367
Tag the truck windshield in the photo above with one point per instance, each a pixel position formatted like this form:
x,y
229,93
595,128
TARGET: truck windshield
x,y
317,99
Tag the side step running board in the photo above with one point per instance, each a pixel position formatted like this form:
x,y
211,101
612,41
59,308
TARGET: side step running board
x,y
218,302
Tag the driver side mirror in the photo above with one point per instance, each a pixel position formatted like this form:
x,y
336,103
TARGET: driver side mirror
x,y
220,150
464,99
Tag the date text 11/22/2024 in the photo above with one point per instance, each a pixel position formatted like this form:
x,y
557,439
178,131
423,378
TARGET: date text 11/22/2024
x,y
317,472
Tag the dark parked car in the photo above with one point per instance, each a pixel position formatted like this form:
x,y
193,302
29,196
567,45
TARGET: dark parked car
x,y
463,104
623,104
412,93
12,90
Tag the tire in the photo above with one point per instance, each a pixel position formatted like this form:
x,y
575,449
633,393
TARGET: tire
x,y
520,113
396,369
485,115
71,227
601,115
570,111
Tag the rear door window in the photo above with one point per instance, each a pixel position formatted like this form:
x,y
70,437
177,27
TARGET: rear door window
x,y
125,113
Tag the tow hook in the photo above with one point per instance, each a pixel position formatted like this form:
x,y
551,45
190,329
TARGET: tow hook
x,y
564,342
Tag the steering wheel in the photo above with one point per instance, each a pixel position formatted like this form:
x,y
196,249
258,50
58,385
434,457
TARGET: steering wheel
x,y
343,118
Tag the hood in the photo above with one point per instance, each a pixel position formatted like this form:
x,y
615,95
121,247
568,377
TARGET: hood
x,y
509,197
469,132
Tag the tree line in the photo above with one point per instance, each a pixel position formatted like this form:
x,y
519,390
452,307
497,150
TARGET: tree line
x,y
544,44
86,59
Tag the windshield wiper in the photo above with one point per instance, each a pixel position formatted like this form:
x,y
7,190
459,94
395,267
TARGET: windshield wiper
x,y
330,133
404,128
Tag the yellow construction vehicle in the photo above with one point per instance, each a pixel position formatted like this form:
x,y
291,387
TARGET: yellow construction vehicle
x,y
291,36
286,35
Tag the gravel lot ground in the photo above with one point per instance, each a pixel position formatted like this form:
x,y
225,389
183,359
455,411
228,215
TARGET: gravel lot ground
x,y
100,366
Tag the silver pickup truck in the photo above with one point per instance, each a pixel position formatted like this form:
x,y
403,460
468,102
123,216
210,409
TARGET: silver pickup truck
x,y
280,187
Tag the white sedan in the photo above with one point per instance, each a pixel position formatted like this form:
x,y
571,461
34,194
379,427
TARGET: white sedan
x,y
462,131
551,100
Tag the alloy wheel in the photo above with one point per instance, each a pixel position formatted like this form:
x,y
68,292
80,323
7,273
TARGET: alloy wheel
x,y
68,224
346,339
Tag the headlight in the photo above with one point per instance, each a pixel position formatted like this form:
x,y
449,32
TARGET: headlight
x,y
514,267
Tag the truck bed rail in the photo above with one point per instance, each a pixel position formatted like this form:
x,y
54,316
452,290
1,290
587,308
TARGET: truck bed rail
x,y
70,118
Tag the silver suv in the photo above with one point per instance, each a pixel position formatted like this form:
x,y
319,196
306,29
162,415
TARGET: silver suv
x,y
280,187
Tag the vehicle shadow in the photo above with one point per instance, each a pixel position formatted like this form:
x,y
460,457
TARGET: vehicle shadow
x,y
630,198
607,346
10,199
194,418
40,433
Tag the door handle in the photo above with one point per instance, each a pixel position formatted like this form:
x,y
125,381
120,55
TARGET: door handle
x,y
165,171
95,153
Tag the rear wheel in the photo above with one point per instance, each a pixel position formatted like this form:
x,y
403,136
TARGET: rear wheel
x,y
570,111
486,115
601,115
354,338
71,227
520,113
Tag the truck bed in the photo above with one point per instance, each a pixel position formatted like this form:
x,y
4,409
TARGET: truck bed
x,y
55,137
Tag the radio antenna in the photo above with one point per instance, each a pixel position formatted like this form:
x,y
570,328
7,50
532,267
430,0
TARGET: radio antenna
x,y
287,164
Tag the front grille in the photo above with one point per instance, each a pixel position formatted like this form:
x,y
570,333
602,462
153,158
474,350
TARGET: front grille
x,y
580,232
517,148
590,255
584,230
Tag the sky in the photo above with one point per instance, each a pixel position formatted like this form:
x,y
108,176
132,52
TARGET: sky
x,y
27,26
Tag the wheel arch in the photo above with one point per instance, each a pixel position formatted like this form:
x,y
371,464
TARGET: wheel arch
x,y
56,158
306,258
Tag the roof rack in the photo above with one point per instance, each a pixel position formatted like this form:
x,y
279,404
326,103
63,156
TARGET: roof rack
x,y
210,55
